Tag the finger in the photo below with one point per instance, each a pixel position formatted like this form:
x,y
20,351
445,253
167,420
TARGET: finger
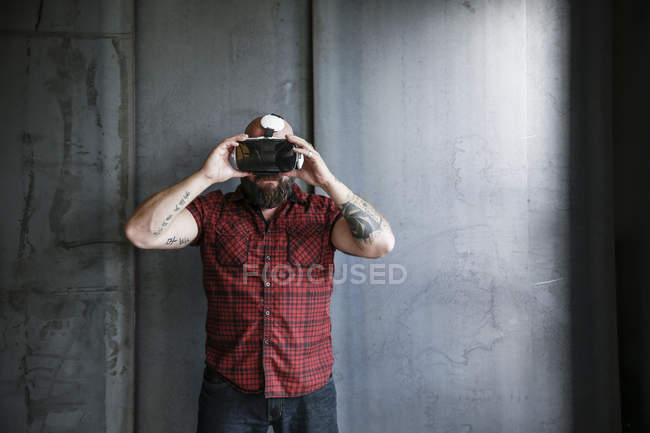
x,y
299,141
233,141
238,137
226,148
298,174
231,144
308,153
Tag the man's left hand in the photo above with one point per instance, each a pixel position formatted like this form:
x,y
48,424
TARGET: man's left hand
x,y
314,171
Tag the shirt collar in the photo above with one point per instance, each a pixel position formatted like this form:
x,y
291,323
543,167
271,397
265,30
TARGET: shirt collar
x,y
297,195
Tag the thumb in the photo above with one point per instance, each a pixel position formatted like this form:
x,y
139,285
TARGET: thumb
x,y
239,173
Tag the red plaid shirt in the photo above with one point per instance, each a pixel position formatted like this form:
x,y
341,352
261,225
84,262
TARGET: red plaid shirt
x,y
268,286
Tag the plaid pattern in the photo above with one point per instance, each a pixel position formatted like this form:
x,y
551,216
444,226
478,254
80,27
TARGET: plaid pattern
x,y
268,290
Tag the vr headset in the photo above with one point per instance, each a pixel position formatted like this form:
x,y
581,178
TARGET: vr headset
x,y
266,154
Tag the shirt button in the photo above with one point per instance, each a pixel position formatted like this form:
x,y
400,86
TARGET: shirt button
x,y
267,313
267,258
267,284
266,341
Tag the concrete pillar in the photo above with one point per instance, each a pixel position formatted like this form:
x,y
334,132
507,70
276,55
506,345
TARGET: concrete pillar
x,y
67,299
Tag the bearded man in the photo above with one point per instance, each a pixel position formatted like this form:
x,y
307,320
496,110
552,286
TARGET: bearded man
x,y
267,251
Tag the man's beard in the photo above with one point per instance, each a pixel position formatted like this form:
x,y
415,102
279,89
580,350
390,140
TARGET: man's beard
x,y
268,196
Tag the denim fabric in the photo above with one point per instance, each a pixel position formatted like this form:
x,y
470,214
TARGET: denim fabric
x,y
223,409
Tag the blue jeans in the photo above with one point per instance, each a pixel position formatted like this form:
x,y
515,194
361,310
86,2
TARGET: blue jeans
x,y
223,409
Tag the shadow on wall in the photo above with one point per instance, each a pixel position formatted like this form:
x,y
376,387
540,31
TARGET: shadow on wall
x,y
632,211
594,361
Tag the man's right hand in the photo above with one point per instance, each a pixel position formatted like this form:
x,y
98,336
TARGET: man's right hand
x,y
217,166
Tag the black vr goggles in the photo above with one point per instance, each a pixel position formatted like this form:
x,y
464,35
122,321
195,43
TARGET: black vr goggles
x,y
267,154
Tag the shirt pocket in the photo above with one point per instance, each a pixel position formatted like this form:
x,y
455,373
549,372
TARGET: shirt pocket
x,y
305,244
232,246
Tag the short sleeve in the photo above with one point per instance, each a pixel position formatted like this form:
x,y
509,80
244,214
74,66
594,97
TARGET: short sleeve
x,y
333,215
202,208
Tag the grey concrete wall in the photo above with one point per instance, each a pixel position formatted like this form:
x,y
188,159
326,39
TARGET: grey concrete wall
x,y
480,129
66,294
204,70
505,322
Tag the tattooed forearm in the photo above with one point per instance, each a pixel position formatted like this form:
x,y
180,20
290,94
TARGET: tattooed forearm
x,y
363,219
180,205
366,232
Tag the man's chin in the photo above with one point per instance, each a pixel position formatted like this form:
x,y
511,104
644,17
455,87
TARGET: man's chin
x,y
267,191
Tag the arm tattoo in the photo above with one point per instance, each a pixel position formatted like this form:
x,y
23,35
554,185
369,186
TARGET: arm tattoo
x,y
363,219
165,223
181,241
